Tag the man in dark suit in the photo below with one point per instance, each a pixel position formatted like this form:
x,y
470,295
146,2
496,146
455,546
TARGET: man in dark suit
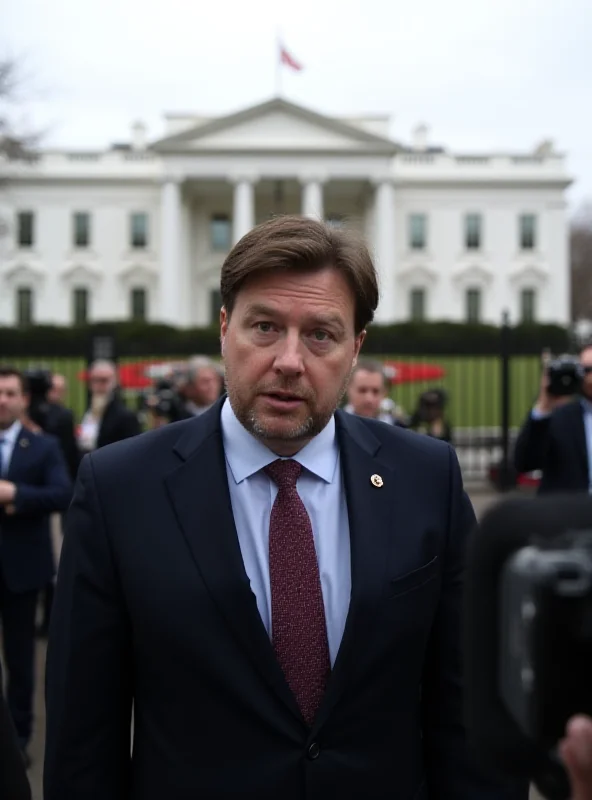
x,y
275,585
33,484
107,420
557,437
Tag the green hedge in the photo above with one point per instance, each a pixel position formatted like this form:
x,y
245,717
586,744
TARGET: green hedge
x,y
136,339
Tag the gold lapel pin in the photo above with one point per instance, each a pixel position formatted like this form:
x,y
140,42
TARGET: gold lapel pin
x,y
24,443
377,481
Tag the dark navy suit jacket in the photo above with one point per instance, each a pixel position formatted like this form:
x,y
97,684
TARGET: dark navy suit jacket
x,y
43,486
153,606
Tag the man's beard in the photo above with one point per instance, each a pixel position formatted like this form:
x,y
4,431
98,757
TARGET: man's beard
x,y
301,430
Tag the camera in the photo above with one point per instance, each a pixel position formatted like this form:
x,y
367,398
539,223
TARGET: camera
x,y
565,376
162,400
38,383
528,634
546,634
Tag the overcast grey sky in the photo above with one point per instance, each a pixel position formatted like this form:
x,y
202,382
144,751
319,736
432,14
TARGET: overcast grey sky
x,y
483,74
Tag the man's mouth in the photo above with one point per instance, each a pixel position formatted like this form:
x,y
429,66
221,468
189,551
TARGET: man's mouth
x,y
281,399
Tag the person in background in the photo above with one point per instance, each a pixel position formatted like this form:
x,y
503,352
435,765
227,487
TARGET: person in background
x,y
556,437
429,416
202,387
34,483
367,394
107,419
58,391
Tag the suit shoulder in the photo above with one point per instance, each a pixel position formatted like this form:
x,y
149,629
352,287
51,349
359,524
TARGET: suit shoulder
x,y
139,451
404,442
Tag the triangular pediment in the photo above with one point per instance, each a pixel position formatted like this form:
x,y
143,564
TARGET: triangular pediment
x,y
420,274
473,274
276,125
80,274
529,274
137,273
23,273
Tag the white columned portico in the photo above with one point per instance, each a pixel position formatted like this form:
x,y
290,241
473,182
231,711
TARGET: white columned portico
x,y
312,198
171,251
385,248
243,207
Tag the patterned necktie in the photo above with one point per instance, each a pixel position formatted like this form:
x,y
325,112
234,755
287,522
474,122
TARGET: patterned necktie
x,y
1,458
299,631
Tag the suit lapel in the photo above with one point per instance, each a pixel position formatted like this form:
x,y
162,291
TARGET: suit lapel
x,y
370,513
199,493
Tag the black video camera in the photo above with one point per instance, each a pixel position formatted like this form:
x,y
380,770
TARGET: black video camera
x,y
38,382
565,376
162,400
528,634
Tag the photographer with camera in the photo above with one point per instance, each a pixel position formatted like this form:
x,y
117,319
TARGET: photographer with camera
x,y
557,435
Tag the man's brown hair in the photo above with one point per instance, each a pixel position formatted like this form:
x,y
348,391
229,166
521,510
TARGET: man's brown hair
x,y
293,243
7,371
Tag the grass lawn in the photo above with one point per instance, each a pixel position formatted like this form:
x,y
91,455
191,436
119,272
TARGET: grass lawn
x,y
472,384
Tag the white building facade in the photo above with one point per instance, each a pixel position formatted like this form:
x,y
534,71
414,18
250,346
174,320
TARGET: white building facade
x,y
141,230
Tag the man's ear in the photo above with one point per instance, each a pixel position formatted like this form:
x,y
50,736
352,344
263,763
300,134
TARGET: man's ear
x,y
223,328
358,346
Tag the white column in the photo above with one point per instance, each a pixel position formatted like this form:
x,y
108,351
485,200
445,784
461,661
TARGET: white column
x,y
384,249
244,208
312,199
170,251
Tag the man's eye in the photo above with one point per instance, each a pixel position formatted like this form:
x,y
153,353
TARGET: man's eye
x,y
321,336
264,327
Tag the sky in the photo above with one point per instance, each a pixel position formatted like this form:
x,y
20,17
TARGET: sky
x,y
484,75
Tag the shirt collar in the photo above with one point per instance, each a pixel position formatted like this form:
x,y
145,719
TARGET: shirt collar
x,y
587,405
246,455
10,435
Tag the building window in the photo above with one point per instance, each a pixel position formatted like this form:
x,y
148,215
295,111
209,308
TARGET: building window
x,y
215,306
473,305
80,306
220,232
81,226
417,303
24,306
335,220
139,304
473,231
417,231
139,229
26,228
527,231
528,305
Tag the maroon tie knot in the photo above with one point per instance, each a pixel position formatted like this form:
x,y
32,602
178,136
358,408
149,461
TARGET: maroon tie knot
x,y
284,472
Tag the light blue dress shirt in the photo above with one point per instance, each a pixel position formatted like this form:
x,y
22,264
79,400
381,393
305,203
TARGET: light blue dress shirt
x,y
320,486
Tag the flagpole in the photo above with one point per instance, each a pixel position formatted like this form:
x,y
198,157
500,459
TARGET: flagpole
x,y
278,65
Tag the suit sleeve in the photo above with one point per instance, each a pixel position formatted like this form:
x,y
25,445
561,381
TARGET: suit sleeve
x,y
452,771
54,492
89,664
533,444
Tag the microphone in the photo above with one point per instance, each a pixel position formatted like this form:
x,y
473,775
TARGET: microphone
x,y
494,729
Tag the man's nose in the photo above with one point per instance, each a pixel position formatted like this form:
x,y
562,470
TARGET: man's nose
x,y
289,359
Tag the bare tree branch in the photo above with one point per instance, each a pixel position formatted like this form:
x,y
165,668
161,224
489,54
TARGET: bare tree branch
x,y
581,263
